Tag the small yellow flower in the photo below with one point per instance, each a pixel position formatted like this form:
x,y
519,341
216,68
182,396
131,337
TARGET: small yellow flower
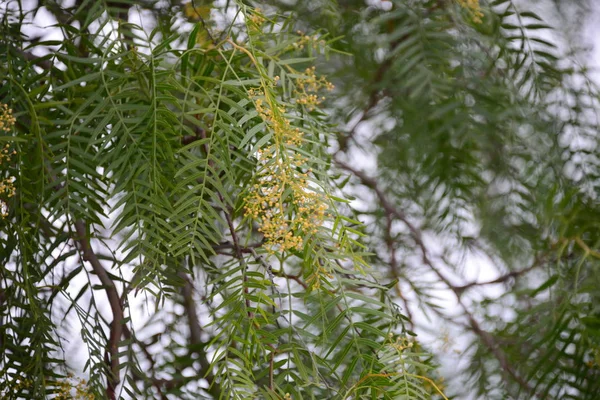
x,y
7,120
401,343
256,19
7,188
73,388
474,9
285,205
308,87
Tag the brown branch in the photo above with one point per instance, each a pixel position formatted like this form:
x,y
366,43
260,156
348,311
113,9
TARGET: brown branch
x,y
388,207
32,58
114,300
157,383
490,342
197,346
501,279
116,326
250,249
415,233
296,278
238,253
191,312
136,373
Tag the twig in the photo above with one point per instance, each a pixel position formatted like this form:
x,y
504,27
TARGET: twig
x,y
417,237
238,254
390,242
32,58
244,249
155,382
586,248
236,245
501,279
116,326
197,345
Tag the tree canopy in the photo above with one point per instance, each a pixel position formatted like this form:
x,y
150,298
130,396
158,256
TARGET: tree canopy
x,y
331,199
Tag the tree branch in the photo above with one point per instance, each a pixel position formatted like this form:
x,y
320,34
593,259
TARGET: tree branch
x,y
415,233
157,383
116,326
32,58
197,345
501,279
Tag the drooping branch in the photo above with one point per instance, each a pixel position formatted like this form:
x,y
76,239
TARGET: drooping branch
x,y
81,237
486,338
157,383
116,306
196,343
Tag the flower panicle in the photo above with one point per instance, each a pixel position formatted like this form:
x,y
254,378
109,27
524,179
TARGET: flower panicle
x,y
282,200
7,187
308,87
473,8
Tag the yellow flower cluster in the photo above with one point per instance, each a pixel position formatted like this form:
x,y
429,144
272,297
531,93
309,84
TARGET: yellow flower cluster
x,y
79,386
474,9
7,121
314,280
308,41
307,88
282,199
6,118
256,19
18,386
401,343
287,396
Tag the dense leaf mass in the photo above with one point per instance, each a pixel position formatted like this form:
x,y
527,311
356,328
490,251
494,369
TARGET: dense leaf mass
x,y
242,200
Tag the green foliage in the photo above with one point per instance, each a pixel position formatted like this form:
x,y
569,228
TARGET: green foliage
x,y
182,224
137,154
484,140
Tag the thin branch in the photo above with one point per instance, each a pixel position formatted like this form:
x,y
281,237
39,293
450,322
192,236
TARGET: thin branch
x,y
244,249
390,242
32,58
136,372
238,253
191,312
501,279
116,326
114,300
586,248
197,346
295,278
415,233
